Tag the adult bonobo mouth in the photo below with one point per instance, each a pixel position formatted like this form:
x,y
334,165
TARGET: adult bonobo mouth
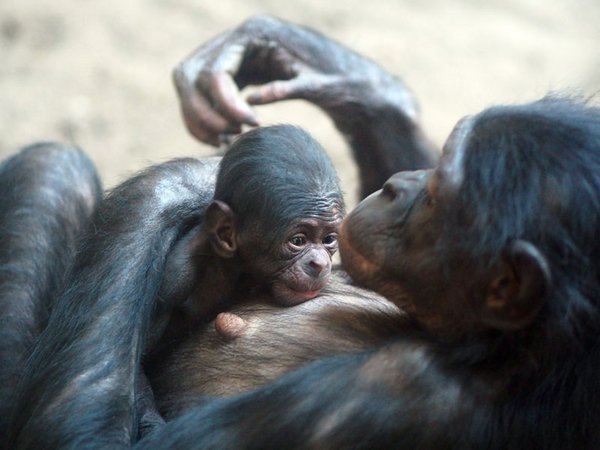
x,y
357,241
386,236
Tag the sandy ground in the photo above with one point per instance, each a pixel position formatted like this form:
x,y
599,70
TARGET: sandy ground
x,y
97,73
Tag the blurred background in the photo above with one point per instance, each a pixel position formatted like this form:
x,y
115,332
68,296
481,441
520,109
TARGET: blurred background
x,y
98,73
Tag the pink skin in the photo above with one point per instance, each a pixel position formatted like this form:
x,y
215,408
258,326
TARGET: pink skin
x,y
230,326
289,296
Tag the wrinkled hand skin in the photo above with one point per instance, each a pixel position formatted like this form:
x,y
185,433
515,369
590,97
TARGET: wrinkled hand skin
x,y
374,111
288,62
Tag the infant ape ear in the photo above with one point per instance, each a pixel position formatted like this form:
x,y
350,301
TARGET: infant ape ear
x,y
518,288
220,225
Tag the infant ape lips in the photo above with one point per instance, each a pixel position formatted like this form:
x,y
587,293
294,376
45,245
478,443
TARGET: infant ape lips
x,y
289,296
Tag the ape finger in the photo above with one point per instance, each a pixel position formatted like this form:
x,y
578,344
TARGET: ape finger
x,y
227,100
202,121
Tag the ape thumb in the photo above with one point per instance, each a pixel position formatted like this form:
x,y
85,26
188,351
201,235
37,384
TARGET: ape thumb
x,y
275,91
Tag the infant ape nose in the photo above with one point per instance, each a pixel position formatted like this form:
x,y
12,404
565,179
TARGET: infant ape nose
x,y
318,264
316,268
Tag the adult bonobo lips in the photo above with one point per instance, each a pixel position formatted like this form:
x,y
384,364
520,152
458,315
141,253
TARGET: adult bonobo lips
x,y
360,256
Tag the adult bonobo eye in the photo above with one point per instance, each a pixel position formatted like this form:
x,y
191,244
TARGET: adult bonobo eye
x,y
297,242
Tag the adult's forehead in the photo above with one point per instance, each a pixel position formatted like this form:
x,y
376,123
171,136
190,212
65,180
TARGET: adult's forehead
x,y
450,171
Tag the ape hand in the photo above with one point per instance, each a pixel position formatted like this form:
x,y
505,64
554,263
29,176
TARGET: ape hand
x,y
288,62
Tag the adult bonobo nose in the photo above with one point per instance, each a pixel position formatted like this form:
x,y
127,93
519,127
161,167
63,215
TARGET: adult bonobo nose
x,y
405,186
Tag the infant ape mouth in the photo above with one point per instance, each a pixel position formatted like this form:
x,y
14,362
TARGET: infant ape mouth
x,y
293,295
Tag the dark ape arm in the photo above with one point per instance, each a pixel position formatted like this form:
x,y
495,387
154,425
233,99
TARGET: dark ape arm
x,y
149,417
48,194
394,398
79,389
373,109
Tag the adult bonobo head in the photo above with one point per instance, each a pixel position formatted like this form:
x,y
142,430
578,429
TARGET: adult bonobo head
x,y
502,235
277,210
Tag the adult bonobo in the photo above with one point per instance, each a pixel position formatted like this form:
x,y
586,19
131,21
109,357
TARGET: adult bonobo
x,y
483,254
494,255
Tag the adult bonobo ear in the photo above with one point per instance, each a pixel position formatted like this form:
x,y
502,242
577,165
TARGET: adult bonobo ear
x,y
220,225
516,293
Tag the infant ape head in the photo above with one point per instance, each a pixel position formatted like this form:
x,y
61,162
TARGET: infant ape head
x,y
277,209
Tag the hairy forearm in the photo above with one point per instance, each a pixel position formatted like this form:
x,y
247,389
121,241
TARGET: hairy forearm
x,y
373,109
97,331
385,138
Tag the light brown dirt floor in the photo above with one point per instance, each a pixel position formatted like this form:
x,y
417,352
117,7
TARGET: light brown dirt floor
x,y
97,73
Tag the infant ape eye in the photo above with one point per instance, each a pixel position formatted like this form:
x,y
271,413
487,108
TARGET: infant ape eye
x,y
298,240
330,239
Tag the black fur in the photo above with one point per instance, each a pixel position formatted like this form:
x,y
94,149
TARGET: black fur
x,y
531,173
48,194
265,163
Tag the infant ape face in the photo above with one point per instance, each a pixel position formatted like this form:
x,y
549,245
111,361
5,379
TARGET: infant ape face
x,y
306,255
292,255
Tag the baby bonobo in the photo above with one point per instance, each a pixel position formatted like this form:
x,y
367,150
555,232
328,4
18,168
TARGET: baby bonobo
x,y
273,223
271,229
